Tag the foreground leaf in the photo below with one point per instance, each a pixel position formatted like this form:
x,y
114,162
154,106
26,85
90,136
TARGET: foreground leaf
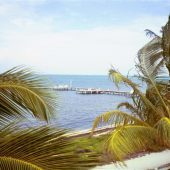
x,y
23,92
163,127
13,164
44,147
131,139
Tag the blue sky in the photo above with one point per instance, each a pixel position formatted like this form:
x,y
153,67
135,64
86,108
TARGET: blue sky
x,y
77,36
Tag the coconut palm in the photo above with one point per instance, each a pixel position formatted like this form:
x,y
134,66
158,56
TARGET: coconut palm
x,y
27,139
157,51
145,127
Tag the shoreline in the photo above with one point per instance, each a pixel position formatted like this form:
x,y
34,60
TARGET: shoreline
x,y
87,132
142,161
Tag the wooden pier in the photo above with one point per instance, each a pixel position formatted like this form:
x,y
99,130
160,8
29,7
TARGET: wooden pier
x,y
119,93
91,90
99,91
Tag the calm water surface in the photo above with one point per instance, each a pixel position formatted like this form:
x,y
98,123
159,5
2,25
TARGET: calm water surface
x,y
77,111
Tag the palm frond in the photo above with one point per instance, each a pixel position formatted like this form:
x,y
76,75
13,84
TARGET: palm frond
x,y
117,118
12,164
118,78
156,50
151,33
128,106
152,46
151,54
23,92
163,127
6,119
45,147
160,67
149,72
130,139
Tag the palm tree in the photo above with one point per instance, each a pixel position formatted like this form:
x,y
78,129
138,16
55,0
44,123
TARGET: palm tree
x,y
27,139
145,127
157,51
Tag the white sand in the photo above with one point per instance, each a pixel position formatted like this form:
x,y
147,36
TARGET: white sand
x,y
146,162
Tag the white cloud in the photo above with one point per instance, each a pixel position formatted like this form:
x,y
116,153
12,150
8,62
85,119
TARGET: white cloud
x,y
33,42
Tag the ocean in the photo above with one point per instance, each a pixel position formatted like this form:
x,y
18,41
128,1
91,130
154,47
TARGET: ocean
x,y
77,111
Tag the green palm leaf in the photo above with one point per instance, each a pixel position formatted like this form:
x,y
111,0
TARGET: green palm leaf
x,y
23,92
148,71
44,147
137,109
130,139
163,127
118,78
128,106
117,118
13,164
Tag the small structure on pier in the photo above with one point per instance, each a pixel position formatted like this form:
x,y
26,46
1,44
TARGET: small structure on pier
x,y
99,91
63,88
89,91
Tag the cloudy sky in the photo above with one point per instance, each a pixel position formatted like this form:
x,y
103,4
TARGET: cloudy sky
x,y
77,36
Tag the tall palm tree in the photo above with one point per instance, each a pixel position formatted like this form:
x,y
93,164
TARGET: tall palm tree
x,y
157,51
27,139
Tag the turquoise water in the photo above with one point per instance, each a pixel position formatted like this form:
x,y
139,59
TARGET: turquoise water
x,y
77,111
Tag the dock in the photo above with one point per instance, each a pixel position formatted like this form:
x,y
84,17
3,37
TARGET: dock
x,y
99,91
88,91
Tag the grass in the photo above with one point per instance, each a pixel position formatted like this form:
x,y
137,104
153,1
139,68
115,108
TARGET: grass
x,y
92,144
96,145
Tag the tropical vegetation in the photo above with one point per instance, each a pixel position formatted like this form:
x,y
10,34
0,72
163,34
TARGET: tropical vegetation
x,y
28,140
157,51
146,124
